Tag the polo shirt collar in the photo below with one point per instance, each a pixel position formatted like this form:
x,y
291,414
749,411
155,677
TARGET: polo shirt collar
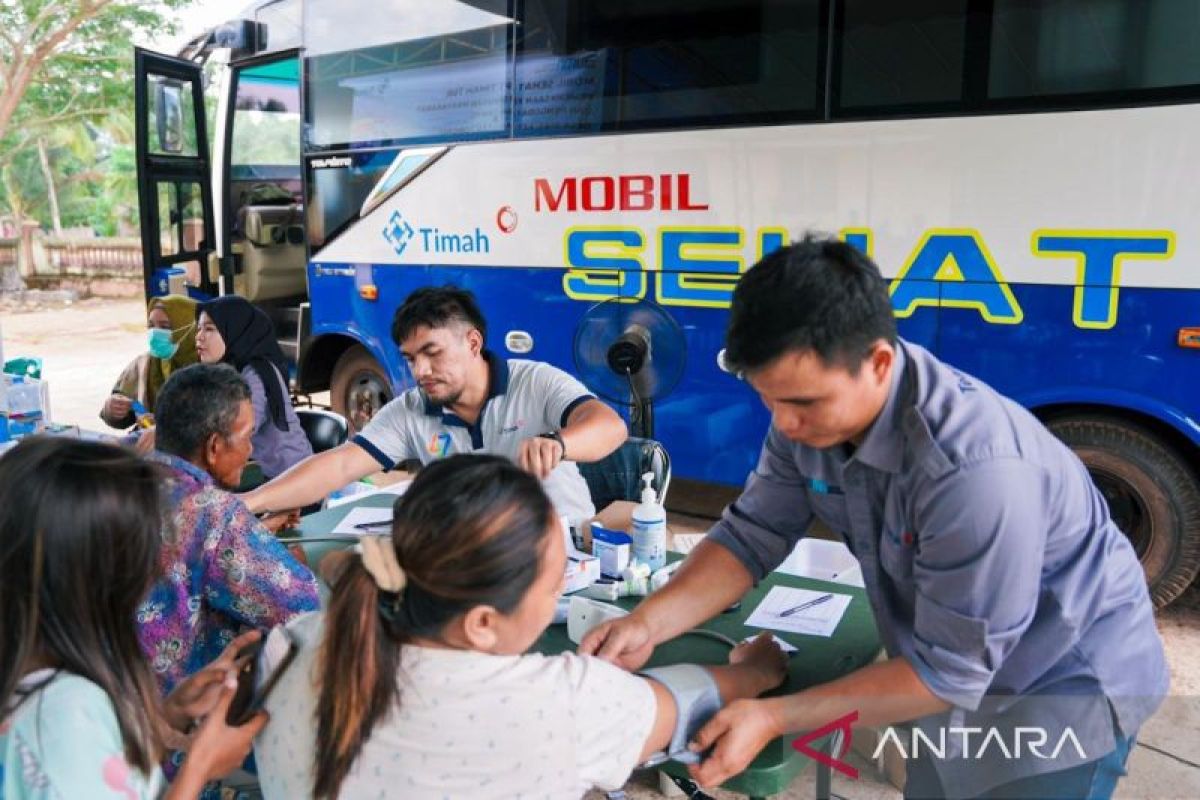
x,y
882,447
497,383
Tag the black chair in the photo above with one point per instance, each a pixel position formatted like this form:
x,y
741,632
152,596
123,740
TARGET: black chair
x,y
325,429
618,476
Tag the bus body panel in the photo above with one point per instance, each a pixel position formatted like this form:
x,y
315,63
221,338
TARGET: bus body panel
x,y
995,264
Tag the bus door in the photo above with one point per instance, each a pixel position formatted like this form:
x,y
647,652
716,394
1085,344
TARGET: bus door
x,y
174,191
260,192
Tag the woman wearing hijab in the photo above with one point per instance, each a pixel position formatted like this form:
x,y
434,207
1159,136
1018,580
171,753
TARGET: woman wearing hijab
x,y
232,331
171,335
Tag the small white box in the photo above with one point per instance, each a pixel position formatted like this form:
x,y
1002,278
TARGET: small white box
x,y
823,560
582,569
613,548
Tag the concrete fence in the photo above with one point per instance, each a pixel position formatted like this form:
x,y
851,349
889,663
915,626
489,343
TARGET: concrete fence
x,y
109,257
110,267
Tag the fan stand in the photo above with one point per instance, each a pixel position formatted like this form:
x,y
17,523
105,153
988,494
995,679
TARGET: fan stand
x,y
641,411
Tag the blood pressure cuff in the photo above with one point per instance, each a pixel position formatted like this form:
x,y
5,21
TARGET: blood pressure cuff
x,y
697,699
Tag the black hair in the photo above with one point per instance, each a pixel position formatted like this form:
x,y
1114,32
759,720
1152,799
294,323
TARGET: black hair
x,y
818,294
470,531
437,307
80,535
195,403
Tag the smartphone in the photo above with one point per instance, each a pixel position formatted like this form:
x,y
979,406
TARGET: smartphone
x,y
256,680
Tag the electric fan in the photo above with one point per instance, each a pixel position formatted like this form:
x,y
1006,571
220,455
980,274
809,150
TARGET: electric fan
x,y
630,352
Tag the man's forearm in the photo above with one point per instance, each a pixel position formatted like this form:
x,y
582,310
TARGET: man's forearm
x,y
592,432
311,480
708,582
883,694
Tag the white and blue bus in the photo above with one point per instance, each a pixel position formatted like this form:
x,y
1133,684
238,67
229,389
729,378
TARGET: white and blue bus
x,y
1023,172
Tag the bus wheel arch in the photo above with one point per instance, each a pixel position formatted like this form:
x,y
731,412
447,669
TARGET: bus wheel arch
x,y
1142,468
359,387
318,359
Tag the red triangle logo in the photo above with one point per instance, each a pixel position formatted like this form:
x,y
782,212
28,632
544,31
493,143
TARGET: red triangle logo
x,y
802,744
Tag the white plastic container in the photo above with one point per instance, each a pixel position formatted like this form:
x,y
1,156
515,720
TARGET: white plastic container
x,y
24,398
649,531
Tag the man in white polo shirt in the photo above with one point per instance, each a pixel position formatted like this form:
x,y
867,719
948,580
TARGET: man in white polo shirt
x,y
467,399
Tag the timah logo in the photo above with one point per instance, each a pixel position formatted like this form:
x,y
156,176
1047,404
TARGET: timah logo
x,y
844,724
398,232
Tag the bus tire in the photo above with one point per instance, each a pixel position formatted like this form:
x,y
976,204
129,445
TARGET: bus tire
x,y
1152,494
359,387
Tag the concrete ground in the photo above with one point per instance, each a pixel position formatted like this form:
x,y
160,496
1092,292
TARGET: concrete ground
x,y
85,345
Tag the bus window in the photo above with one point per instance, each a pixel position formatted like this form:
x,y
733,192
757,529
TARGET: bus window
x,y
338,187
422,72
897,55
1054,47
620,64
181,223
282,21
264,156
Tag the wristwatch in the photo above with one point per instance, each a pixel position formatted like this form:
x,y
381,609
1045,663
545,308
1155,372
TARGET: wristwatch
x,y
556,436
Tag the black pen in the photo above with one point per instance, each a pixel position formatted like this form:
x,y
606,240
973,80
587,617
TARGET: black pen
x,y
385,524
825,598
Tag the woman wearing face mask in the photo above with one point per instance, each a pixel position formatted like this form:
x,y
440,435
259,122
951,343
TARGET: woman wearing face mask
x,y
232,331
171,345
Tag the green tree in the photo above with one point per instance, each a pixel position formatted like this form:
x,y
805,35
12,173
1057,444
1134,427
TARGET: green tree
x,y
63,62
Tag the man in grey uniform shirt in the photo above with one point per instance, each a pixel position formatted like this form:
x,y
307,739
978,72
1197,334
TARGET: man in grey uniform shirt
x,y
1006,598
467,399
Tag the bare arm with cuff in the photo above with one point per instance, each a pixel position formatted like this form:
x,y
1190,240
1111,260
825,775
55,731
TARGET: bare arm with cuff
x,y
687,695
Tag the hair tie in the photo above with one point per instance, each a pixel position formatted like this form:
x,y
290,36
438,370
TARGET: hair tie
x,y
379,558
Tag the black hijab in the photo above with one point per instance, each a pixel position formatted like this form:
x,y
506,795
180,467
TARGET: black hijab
x,y
250,341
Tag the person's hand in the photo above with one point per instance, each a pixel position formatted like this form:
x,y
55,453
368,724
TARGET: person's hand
x,y
626,642
198,694
117,406
145,442
736,733
539,456
281,520
218,748
765,656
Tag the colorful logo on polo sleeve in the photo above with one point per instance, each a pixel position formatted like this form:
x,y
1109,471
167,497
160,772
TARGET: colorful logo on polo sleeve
x,y
439,445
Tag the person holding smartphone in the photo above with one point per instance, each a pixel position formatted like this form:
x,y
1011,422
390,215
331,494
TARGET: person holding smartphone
x,y
80,714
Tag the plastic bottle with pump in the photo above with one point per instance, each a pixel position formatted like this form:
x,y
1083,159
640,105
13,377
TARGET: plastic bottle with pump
x,y
650,527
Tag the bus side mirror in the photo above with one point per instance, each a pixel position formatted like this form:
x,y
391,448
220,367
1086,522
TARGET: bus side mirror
x,y
169,103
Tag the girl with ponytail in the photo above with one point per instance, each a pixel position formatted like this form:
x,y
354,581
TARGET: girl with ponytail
x,y
415,681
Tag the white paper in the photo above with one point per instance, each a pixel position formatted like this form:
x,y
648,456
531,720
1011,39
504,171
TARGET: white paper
x,y
684,542
365,516
823,560
785,646
398,488
819,620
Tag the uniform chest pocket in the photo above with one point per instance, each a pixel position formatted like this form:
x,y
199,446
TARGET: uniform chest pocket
x,y
896,552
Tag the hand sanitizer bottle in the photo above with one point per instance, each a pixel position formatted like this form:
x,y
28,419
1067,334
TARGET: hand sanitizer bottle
x,y
650,528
